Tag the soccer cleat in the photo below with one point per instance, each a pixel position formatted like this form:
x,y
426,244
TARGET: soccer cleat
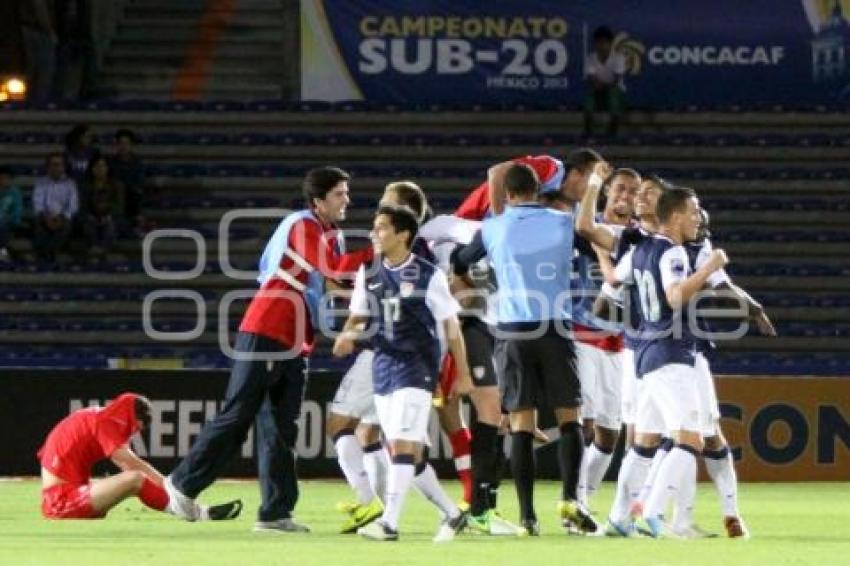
x,y
530,528
621,529
223,512
570,527
449,528
360,515
577,513
464,506
492,523
377,530
287,525
692,532
735,528
180,505
656,527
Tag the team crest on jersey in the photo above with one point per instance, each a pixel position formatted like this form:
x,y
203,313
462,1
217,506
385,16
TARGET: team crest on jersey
x,y
677,266
405,288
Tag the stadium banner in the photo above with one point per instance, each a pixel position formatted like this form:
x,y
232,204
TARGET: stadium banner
x,y
787,428
33,401
780,428
725,52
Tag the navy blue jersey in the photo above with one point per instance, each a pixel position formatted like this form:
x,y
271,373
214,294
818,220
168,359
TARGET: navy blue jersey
x,y
405,304
420,248
698,253
663,336
629,238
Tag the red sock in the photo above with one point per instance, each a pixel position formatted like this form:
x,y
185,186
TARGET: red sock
x,y
461,450
153,496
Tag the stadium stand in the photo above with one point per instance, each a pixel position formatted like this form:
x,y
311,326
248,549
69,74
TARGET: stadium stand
x,y
767,176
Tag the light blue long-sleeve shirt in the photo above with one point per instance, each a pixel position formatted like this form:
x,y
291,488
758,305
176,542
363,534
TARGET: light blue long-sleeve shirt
x,y
55,197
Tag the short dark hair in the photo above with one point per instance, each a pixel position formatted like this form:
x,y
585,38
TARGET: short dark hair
x,y
673,199
521,180
319,181
411,195
402,218
143,411
126,133
659,182
73,137
603,32
583,159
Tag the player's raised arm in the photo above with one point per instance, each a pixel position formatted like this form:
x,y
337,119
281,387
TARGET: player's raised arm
x,y
586,224
496,183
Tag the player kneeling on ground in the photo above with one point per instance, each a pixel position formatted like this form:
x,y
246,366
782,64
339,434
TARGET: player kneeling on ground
x,y
405,303
88,436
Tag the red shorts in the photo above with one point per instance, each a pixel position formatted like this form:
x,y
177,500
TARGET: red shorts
x,y
68,501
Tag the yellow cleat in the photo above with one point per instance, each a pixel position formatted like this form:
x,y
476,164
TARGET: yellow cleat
x,y
578,514
360,515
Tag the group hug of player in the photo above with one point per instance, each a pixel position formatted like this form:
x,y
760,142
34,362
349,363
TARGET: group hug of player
x,y
526,299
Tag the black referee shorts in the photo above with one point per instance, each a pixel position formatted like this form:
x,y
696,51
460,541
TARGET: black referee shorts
x,y
479,351
538,373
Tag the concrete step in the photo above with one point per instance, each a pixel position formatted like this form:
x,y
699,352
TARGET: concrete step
x,y
198,5
160,89
167,66
270,20
186,33
128,51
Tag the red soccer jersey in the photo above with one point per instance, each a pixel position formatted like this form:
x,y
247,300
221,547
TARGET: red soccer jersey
x,y
86,437
281,314
477,204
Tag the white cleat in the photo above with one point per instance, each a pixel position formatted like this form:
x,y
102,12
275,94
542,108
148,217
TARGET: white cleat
x,y
376,530
449,528
180,505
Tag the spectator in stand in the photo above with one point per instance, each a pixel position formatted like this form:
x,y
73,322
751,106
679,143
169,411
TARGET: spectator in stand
x,y
76,66
55,204
604,70
127,167
103,205
79,150
11,209
38,30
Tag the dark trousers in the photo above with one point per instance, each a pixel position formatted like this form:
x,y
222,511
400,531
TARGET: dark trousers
x,y
268,394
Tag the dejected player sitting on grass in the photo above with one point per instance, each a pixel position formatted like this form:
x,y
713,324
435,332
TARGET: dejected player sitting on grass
x,y
88,436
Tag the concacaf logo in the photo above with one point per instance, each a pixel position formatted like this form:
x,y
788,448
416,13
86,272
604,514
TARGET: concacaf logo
x,y
632,50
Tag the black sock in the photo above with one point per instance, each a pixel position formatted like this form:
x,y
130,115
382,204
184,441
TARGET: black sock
x,y
522,467
483,465
499,470
570,450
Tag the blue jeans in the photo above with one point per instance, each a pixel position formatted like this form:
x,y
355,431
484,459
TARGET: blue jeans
x,y
269,395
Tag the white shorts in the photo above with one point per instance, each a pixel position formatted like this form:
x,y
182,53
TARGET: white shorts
x,y
707,396
600,373
404,414
668,401
355,395
629,388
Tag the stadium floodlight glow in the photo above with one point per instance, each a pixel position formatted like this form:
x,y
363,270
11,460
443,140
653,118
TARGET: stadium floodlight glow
x,y
16,86
13,88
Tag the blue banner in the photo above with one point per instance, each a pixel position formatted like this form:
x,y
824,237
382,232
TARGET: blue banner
x,y
534,51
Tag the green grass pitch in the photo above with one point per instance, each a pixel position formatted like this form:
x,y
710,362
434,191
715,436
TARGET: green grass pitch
x,y
802,523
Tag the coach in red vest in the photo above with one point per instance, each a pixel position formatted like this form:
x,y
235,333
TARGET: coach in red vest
x,y
276,335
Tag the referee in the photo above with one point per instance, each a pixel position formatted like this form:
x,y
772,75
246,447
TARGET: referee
x,y
531,250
